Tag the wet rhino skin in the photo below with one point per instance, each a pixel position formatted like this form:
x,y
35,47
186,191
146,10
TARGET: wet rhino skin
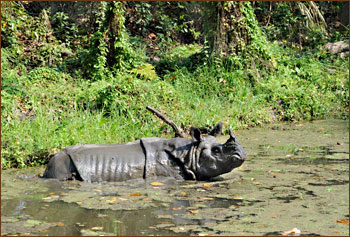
x,y
194,159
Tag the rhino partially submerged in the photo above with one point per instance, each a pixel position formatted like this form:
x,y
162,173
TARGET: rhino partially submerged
x,y
199,158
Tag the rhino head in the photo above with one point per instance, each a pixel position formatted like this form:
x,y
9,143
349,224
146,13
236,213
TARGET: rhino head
x,y
213,158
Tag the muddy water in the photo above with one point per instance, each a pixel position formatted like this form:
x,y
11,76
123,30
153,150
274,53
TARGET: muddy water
x,y
296,176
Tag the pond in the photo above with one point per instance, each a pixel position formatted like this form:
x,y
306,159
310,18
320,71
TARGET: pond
x,y
295,176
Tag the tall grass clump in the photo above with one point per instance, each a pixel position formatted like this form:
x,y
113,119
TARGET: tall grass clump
x,y
45,109
50,110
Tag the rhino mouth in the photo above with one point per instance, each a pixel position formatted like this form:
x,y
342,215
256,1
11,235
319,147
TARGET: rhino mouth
x,y
235,160
237,157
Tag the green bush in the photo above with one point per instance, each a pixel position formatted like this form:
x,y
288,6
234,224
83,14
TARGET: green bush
x,y
28,39
304,88
126,94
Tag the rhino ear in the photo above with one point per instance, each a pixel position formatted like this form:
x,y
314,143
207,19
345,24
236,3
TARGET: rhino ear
x,y
217,130
232,136
196,134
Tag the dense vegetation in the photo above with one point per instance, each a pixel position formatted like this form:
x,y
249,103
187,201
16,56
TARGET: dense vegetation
x,y
83,72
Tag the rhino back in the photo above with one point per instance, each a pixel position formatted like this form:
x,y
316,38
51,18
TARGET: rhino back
x,y
96,163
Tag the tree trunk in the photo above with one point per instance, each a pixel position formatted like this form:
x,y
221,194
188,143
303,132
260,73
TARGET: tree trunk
x,y
224,29
113,30
231,28
344,14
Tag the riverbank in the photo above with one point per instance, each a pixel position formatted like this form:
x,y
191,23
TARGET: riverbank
x,y
46,109
295,176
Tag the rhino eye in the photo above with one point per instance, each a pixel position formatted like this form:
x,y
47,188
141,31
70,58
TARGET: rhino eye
x,y
216,150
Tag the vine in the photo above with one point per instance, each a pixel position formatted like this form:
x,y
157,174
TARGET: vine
x,y
258,42
109,50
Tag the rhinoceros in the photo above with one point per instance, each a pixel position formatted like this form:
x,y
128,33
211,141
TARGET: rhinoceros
x,y
199,158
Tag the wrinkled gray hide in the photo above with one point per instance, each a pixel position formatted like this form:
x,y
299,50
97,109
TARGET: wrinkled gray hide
x,y
199,158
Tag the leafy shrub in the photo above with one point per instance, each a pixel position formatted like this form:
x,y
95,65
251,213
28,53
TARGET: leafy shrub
x,y
145,70
303,87
28,38
126,95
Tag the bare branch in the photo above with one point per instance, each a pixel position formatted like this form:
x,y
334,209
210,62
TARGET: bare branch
x,y
178,131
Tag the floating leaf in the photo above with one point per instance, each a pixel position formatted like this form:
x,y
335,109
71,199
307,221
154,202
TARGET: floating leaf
x,y
157,184
146,199
207,185
237,198
135,195
59,223
274,172
97,228
177,208
204,234
193,211
113,200
79,203
50,198
294,231
343,221
123,199
257,183
206,198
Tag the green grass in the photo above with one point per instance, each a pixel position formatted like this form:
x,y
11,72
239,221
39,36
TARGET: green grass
x,y
45,109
